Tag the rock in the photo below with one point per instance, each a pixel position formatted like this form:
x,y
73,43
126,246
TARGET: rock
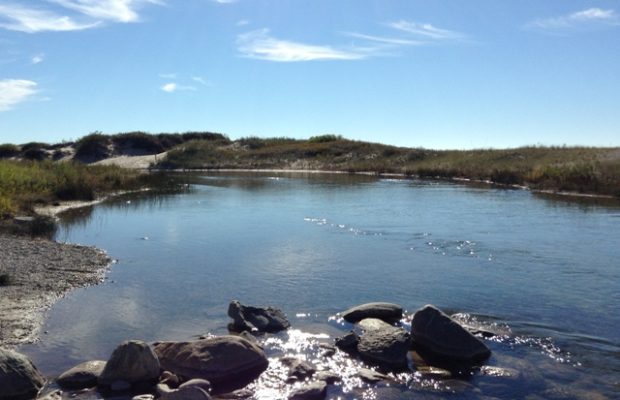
x,y
328,349
201,383
310,391
162,389
82,376
384,344
257,319
169,379
19,378
186,393
55,395
348,342
327,377
298,369
370,376
223,359
237,395
120,385
134,362
438,335
143,397
387,312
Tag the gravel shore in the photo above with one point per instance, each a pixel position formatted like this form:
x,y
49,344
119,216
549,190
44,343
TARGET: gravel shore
x,y
40,271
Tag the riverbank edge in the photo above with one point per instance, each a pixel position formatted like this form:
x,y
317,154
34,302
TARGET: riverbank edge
x,y
394,175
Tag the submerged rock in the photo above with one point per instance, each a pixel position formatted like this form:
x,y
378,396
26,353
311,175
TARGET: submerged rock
x,y
436,334
383,344
186,393
133,362
370,376
387,312
298,369
19,378
82,376
250,318
223,359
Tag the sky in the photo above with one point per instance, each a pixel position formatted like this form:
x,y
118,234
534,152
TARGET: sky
x,y
418,73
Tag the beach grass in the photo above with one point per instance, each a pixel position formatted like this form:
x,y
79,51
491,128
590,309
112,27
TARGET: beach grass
x,y
26,183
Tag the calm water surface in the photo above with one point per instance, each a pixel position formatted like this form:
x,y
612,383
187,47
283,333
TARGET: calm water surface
x,y
542,271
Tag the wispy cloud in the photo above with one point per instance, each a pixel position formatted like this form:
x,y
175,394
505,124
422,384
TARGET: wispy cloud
x,y
17,18
426,31
242,22
385,40
200,80
77,15
172,87
579,20
112,10
37,58
224,1
168,76
14,91
259,44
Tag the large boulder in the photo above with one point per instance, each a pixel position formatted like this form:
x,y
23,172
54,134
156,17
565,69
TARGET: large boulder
x,y
437,335
132,362
19,378
260,319
82,376
387,312
220,360
383,344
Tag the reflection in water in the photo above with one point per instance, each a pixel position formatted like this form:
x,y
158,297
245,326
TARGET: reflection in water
x,y
540,276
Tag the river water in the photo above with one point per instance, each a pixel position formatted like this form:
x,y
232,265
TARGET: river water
x,y
542,272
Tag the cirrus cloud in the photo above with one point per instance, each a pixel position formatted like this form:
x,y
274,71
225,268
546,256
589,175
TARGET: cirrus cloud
x,y
580,20
14,91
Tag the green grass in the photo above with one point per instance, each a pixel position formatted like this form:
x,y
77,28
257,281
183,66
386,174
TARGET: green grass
x,y
24,184
576,169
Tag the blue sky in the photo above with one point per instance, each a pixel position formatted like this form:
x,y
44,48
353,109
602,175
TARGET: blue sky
x,y
434,74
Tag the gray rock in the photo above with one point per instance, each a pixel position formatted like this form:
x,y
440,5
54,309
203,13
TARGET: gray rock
x,y
250,318
327,377
370,376
310,391
143,397
348,342
223,359
384,344
298,369
387,312
82,376
55,395
169,379
162,389
438,335
186,393
328,349
240,394
19,378
201,383
133,361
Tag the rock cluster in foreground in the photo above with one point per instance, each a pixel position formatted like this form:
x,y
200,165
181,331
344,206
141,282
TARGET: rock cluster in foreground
x,y
227,364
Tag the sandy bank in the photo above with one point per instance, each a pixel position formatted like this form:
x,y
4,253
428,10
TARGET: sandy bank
x,y
40,271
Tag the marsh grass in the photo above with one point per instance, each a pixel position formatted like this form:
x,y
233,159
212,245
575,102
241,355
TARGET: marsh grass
x,y
577,169
26,183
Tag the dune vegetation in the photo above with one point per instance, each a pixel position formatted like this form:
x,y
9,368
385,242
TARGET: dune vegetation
x,y
26,183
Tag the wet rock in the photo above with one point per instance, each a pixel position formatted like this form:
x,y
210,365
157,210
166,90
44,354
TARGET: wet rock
x,y
370,376
328,349
383,344
223,359
240,394
310,391
348,342
82,376
55,395
387,312
19,378
186,393
162,389
327,377
170,379
120,386
298,369
438,335
132,361
250,318
201,383
143,397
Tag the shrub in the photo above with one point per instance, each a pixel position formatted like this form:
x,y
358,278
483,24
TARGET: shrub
x,y
8,150
324,138
138,141
93,147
